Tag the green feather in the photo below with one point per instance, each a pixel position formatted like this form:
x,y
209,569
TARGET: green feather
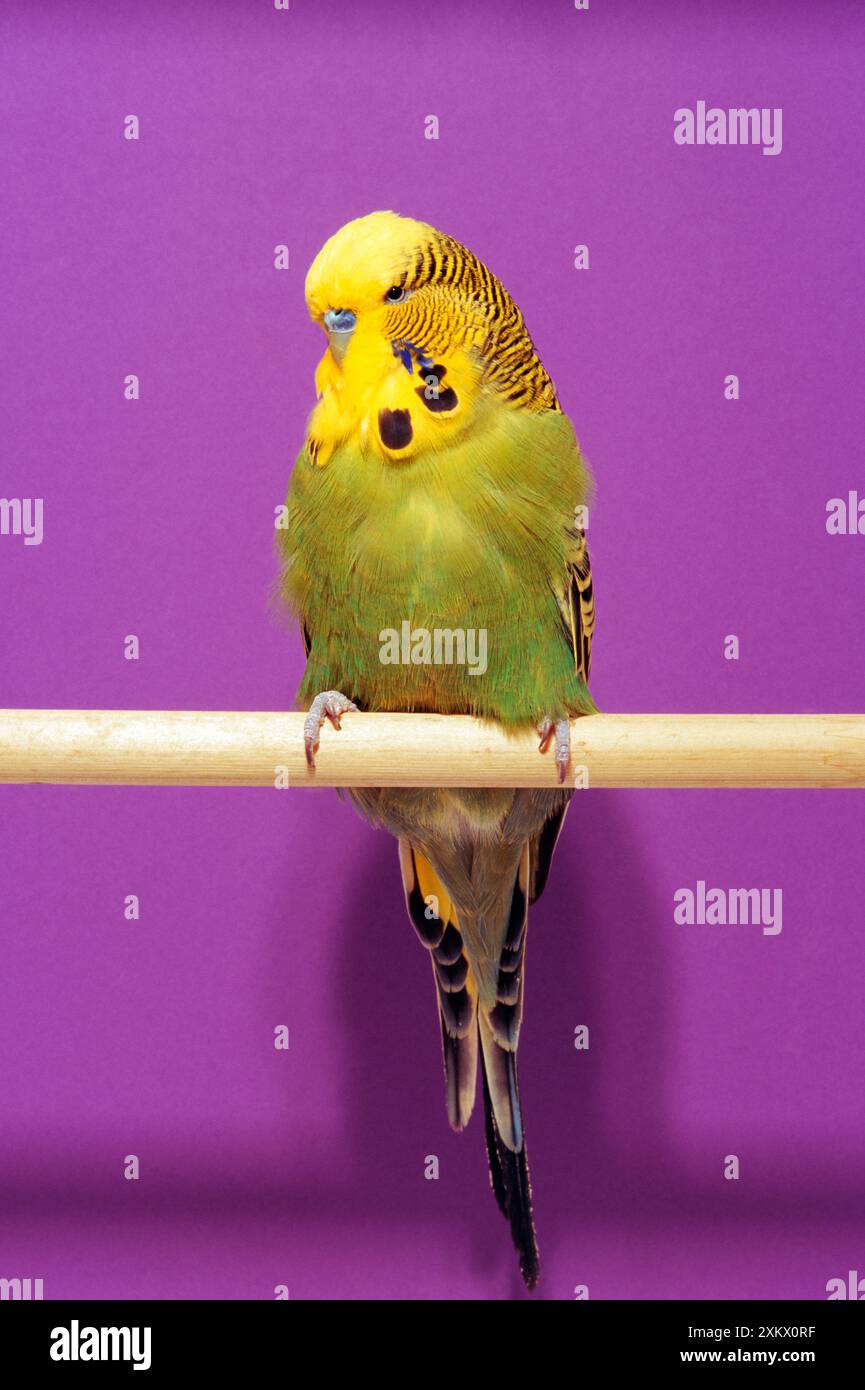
x,y
476,535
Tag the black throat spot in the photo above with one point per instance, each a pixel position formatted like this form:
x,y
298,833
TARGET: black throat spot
x,y
434,395
395,428
444,400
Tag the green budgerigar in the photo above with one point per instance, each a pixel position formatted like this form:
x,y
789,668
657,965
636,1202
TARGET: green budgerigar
x,y
437,495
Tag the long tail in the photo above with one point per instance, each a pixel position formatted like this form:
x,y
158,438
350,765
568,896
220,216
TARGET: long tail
x,y
465,1020
509,1178
433,917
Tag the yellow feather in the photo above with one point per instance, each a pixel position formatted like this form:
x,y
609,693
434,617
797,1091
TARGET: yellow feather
x,y
456,316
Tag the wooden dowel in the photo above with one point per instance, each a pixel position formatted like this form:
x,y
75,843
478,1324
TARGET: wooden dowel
x,y
207,748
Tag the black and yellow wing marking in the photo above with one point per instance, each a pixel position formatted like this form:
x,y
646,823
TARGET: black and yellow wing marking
x,y
577,611
456,301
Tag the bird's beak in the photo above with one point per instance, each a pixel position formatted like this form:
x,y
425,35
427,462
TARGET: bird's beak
x,y
339,325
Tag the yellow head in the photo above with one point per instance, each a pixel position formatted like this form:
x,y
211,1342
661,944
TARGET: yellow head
x,y
360,263
420,333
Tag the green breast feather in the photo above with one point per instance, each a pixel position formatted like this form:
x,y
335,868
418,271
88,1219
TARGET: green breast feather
x,y
432,584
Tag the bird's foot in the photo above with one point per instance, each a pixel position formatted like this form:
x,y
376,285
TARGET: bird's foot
x,y
561,730
329,704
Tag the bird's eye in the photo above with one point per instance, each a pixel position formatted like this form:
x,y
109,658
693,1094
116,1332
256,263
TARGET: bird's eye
x,y
395,295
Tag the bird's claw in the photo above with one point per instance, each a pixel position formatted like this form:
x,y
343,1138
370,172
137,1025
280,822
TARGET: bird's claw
x,y
561,730
329,704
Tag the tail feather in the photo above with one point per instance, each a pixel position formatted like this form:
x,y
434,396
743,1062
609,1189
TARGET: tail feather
x,y
543,848
499,1034
435,920
500,1075
460,1056
489,1024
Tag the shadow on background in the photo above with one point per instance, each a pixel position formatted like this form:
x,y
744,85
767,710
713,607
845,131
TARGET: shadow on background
x,y
602,1140
595,957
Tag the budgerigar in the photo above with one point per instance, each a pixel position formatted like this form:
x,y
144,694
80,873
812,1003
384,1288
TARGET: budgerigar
x,y
438,487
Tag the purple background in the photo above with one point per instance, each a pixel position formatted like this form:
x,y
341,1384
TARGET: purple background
x,y
155,1038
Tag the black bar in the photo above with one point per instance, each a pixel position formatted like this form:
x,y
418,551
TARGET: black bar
x,y
231,1338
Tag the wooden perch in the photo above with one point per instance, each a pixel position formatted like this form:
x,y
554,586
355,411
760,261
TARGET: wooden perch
x,y
242,749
